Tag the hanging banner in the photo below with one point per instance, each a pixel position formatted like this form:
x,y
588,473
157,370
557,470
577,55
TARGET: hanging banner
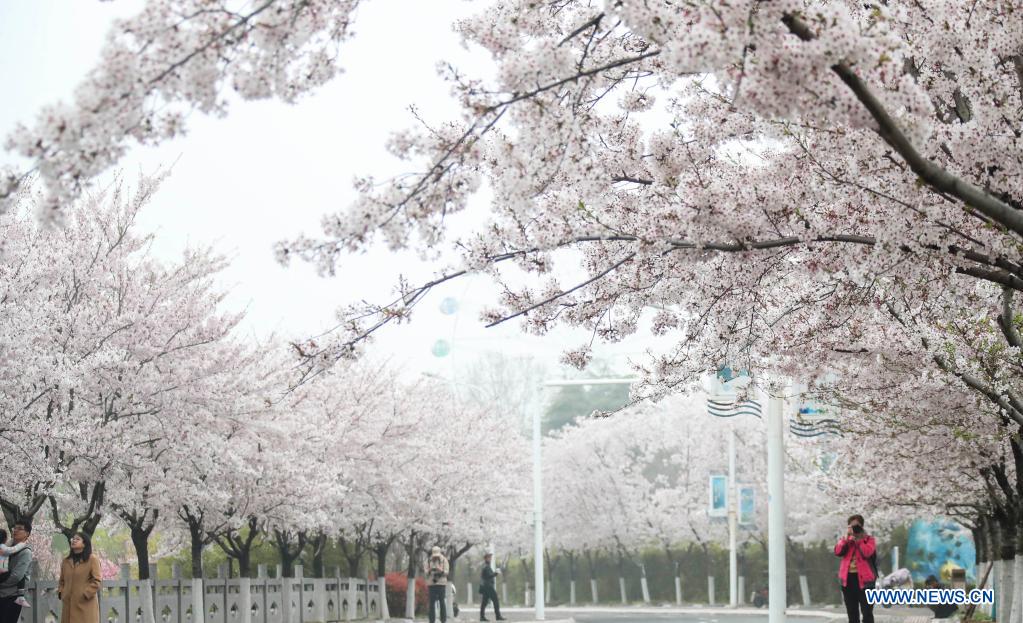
x,y
747,505
718,496
814,420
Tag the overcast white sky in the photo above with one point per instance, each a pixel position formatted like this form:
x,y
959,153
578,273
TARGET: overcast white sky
x,y
269,171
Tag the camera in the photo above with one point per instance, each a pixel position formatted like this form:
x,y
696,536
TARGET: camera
x,y
857,529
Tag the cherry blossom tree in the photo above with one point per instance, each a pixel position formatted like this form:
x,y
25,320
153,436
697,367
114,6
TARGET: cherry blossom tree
x,y
790,187
113,343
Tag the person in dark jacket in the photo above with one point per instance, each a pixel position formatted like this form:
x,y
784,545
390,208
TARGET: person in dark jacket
x,y
488,589
941,611
12,588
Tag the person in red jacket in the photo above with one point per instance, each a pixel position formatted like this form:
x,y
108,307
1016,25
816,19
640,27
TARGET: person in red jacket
x,y
856,572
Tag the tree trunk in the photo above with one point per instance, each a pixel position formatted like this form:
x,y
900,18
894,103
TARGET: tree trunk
x,y
352,552
288,553
552,565
571,556
410,591
140,539
198,538
89,520
706,567
1008,584
1017,575
454,553
239,547
318,546
196,552
621,579
140,528
381,549
13,512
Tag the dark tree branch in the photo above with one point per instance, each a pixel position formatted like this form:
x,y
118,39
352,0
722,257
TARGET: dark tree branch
x,y
933,175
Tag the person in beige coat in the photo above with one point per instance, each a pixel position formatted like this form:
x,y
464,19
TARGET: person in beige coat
x,y
80,580
437,569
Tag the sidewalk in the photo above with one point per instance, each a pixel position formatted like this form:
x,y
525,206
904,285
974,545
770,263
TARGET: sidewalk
x,y
831,613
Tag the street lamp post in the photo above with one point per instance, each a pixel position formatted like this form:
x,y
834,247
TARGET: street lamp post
x,y
777,593
733,560
538,590
775,501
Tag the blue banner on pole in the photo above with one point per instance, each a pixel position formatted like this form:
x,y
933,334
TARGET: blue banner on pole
x,y
718,495
747,505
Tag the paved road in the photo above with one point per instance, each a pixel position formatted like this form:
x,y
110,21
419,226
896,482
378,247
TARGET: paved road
x,y
678,617
518,614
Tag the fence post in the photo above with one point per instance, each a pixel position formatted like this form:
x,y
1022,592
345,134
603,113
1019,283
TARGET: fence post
x,y
643,585
176,577
286,588
804,589
224,573
300,577
319,599
342,596
126,580
33,591
365,587
261,581
353,598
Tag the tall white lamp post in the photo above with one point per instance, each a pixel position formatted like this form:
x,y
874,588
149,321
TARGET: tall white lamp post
x,y
777,591
722,405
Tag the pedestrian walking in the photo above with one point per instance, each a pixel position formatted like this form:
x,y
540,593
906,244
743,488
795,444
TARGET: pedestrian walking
x,y
488,589
80,581
856,571
12,585
437,569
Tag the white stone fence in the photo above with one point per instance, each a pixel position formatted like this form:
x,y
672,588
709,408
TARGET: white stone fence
x,y
221,600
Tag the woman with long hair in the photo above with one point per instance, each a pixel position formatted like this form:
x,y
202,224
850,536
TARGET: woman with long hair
x,y
80,580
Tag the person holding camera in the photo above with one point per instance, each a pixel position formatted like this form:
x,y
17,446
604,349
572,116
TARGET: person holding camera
x,y
488,588
437,569
856,571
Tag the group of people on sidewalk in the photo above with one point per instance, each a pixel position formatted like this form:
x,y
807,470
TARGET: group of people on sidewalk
x,y
80,577
438,568
79,584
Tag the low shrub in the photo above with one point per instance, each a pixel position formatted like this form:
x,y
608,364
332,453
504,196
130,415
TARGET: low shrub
x,y
397,588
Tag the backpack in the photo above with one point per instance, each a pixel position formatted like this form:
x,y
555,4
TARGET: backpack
x,y
873,563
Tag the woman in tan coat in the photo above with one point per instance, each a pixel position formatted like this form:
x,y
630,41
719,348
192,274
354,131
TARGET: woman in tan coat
x,y
80,580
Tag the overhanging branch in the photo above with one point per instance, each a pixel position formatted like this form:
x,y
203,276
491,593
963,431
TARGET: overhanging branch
x,y
933,175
